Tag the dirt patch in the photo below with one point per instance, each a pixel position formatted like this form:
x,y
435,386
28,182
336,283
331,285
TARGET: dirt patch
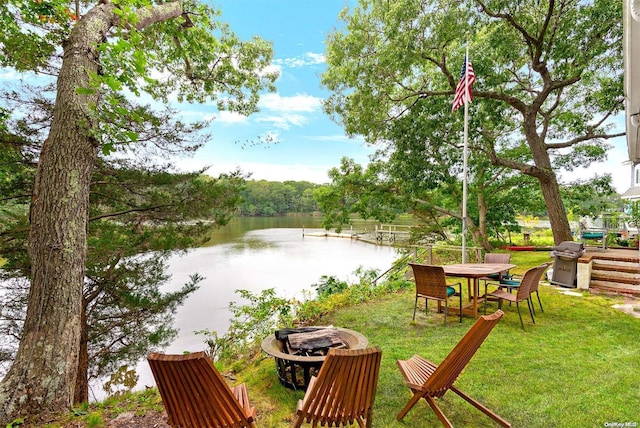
x,y
630,305
130,419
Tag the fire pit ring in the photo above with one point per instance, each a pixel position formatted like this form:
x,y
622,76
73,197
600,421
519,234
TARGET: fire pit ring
x,y
295,371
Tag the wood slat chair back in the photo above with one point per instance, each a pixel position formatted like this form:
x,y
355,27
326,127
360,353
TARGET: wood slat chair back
x,y
430,381
195,395
343,391
449,370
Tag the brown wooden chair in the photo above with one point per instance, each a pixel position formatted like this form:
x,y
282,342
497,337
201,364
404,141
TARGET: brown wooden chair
x,y
195,395
430,381
431,283
530,280
343,391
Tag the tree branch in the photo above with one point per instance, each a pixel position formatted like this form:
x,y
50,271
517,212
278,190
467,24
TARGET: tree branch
x,y
582,138
160,13
133,210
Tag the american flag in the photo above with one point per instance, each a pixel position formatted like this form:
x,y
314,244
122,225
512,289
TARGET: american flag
x,y
463,90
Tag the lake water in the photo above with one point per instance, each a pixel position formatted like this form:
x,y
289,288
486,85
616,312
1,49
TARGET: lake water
x,y
255,254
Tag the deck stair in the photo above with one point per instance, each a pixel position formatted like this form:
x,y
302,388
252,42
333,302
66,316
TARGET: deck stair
x,y
620,274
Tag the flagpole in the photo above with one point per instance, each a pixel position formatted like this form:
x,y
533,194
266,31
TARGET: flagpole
x,y
464,161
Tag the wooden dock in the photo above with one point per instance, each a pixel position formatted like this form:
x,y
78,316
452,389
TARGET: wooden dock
x,y
384,234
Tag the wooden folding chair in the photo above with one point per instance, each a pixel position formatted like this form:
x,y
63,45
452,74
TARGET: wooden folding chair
x,y
343,391
430,381
195,395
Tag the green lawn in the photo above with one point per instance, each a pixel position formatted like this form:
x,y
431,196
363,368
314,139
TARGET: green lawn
x,y
578,366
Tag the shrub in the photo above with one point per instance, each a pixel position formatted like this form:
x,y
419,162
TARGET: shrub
x,y
329,285
265,312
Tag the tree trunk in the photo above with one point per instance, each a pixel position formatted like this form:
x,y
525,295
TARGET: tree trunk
x,y
555,209
482,222
81,393
548,181
42,377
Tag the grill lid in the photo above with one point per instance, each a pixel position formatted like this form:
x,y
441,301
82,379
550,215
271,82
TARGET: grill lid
x,y
569,249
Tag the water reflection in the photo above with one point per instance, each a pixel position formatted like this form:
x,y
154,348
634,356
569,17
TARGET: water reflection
x,y
240,258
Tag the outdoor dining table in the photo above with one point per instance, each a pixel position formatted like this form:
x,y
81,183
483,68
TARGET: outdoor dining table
x,y
474,271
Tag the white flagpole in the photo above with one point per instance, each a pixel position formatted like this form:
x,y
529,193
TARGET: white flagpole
x,y
464,158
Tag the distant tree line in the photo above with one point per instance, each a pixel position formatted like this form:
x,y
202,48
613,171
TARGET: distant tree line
x,y
274,198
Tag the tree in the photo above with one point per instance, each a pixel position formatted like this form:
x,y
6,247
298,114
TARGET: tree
x,y
425,163
270,198
419,172
140,214
549,78
358,190
98,53
592,197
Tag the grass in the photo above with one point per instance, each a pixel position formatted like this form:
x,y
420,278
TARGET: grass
x,y
576,367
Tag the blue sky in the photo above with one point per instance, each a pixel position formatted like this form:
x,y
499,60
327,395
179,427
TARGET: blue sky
x,y
308,142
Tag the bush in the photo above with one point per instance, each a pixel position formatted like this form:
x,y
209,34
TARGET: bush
x,y
329,285
266,312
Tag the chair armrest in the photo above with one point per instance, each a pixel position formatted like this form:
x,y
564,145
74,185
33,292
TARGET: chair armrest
x,y
459,284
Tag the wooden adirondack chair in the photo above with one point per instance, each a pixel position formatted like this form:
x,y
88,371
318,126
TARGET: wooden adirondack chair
x,y
430,381
195,395
343,391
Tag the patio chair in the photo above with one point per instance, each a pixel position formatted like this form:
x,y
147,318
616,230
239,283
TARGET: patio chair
x,y
513,284
343,391
530,278
431,283
431,381
502,258
495,278
194,393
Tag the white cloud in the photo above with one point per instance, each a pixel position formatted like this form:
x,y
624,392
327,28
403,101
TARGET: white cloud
x,y
270,137
285,121
262,171
341,138
230,117
9,74
296,103
307,59
272,68
616,165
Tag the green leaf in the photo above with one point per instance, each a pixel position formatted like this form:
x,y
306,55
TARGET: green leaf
x,y
133,136
15,423
108,148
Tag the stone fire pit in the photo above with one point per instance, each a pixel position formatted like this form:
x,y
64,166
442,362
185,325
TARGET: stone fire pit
x,y
295,371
